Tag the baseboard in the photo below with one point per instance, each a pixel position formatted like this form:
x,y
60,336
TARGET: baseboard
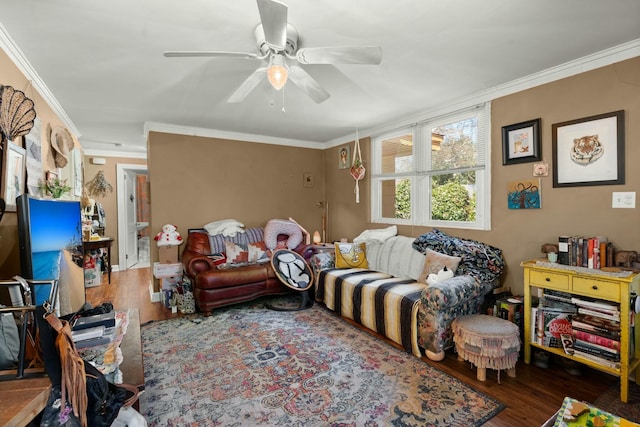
x,y
155,296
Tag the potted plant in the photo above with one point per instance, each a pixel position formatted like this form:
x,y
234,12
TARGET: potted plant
x,y
54,187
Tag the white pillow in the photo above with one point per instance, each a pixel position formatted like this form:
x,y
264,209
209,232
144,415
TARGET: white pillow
x,y
378,235
226,227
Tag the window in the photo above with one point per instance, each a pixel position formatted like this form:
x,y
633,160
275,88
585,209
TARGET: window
x,y
434,173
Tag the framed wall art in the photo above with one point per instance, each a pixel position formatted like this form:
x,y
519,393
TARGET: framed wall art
x,y
344,160
521,143
589,151
13,179
524,194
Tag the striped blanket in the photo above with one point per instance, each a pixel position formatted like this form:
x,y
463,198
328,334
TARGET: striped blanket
x,y
376,300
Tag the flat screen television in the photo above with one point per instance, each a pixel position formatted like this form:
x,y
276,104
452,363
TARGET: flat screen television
x,y
50,240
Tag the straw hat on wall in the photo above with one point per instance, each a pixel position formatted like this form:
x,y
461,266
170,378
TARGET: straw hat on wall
x,y
61,143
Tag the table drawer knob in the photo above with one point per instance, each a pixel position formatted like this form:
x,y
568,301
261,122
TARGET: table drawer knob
x,y
594,287
547,279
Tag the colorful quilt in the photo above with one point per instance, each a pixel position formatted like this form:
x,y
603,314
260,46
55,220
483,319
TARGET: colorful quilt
x,y
376,300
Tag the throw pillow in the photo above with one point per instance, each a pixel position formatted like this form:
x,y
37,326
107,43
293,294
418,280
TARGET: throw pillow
x,y
435,261
236,253
217,259
252,252
351,255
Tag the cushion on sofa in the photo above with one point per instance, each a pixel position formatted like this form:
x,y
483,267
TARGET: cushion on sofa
x,y
396,256
226,227
435,261
250,235
350,255
482,261
237,253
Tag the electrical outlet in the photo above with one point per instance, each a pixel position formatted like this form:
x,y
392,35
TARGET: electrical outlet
x,y
622,199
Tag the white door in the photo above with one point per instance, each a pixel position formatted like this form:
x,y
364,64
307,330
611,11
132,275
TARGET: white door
x,y
132,224
127,226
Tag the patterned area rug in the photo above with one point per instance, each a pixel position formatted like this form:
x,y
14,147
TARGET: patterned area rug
x,y
610,402
251,366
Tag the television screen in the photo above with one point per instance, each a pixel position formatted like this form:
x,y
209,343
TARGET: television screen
x,y
50,238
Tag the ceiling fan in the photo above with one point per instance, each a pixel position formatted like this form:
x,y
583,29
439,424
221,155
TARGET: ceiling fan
x,y
277,43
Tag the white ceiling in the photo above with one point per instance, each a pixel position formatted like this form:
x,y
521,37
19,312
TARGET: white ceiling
x,y
103,60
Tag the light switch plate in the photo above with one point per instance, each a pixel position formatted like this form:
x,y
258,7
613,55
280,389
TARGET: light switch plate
x,y
622,199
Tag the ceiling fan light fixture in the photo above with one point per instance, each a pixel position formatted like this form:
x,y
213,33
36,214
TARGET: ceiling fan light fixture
x,y
277,73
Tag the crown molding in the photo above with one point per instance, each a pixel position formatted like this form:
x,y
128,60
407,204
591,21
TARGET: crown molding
x,y
220,134
596,60
112,153
15,54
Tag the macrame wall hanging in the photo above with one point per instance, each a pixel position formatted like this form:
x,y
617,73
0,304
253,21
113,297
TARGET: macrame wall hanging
x,y
357,167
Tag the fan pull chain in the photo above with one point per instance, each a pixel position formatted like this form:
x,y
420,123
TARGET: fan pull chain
x,y
283,110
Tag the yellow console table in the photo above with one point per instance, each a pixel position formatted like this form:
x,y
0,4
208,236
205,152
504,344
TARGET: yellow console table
x,y
615,287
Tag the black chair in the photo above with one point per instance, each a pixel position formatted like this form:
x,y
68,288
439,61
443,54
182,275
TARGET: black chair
x,y
20,292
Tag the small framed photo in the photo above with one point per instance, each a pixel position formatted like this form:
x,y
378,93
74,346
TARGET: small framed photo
x,y
589,151
521,143
344,154
13,179
307,180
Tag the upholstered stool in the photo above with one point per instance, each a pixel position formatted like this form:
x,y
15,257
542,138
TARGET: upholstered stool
x,y
487,342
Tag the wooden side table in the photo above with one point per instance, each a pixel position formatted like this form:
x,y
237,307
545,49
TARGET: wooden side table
x,y
103,242
22,400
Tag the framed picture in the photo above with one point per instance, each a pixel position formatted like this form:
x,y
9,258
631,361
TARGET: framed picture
x,y
344,157
524,194
521,143
589,151
13,180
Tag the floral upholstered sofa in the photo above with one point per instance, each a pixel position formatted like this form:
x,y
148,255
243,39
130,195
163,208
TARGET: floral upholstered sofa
x,y
390,295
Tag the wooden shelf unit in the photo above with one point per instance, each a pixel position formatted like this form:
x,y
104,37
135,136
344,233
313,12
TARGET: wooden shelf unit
x,y
588,284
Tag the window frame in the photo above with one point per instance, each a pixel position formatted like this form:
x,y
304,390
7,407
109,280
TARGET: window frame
x,y
420,175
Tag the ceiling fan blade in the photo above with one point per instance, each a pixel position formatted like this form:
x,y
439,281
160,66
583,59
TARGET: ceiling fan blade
x,y
304,81
340,55
273,15
210,54
248,85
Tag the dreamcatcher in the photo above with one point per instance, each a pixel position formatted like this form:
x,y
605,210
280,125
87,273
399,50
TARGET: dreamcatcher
x,y
357,167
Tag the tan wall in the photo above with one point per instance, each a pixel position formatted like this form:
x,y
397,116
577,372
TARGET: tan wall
x,y
110,201
196,180
11,76
579,210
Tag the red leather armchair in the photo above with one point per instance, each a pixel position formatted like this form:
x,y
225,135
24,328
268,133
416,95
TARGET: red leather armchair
x,y
213,287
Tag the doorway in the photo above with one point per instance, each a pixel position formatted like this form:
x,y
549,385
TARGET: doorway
x,y
133,211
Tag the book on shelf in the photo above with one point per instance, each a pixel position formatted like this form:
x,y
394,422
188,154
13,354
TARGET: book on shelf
x,y
556,305
596,350
599,360
583,327
563,250
550,325
561,296
597,313
599,323
596,304
596,339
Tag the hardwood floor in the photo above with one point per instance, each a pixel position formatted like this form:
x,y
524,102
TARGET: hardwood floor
x,y
530,398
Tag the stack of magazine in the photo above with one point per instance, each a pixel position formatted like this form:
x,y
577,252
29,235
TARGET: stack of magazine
x,y
596,331
90,331
584,327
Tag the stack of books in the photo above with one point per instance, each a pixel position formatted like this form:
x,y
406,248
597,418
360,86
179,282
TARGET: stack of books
x,y
90,331
591,252
596,331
